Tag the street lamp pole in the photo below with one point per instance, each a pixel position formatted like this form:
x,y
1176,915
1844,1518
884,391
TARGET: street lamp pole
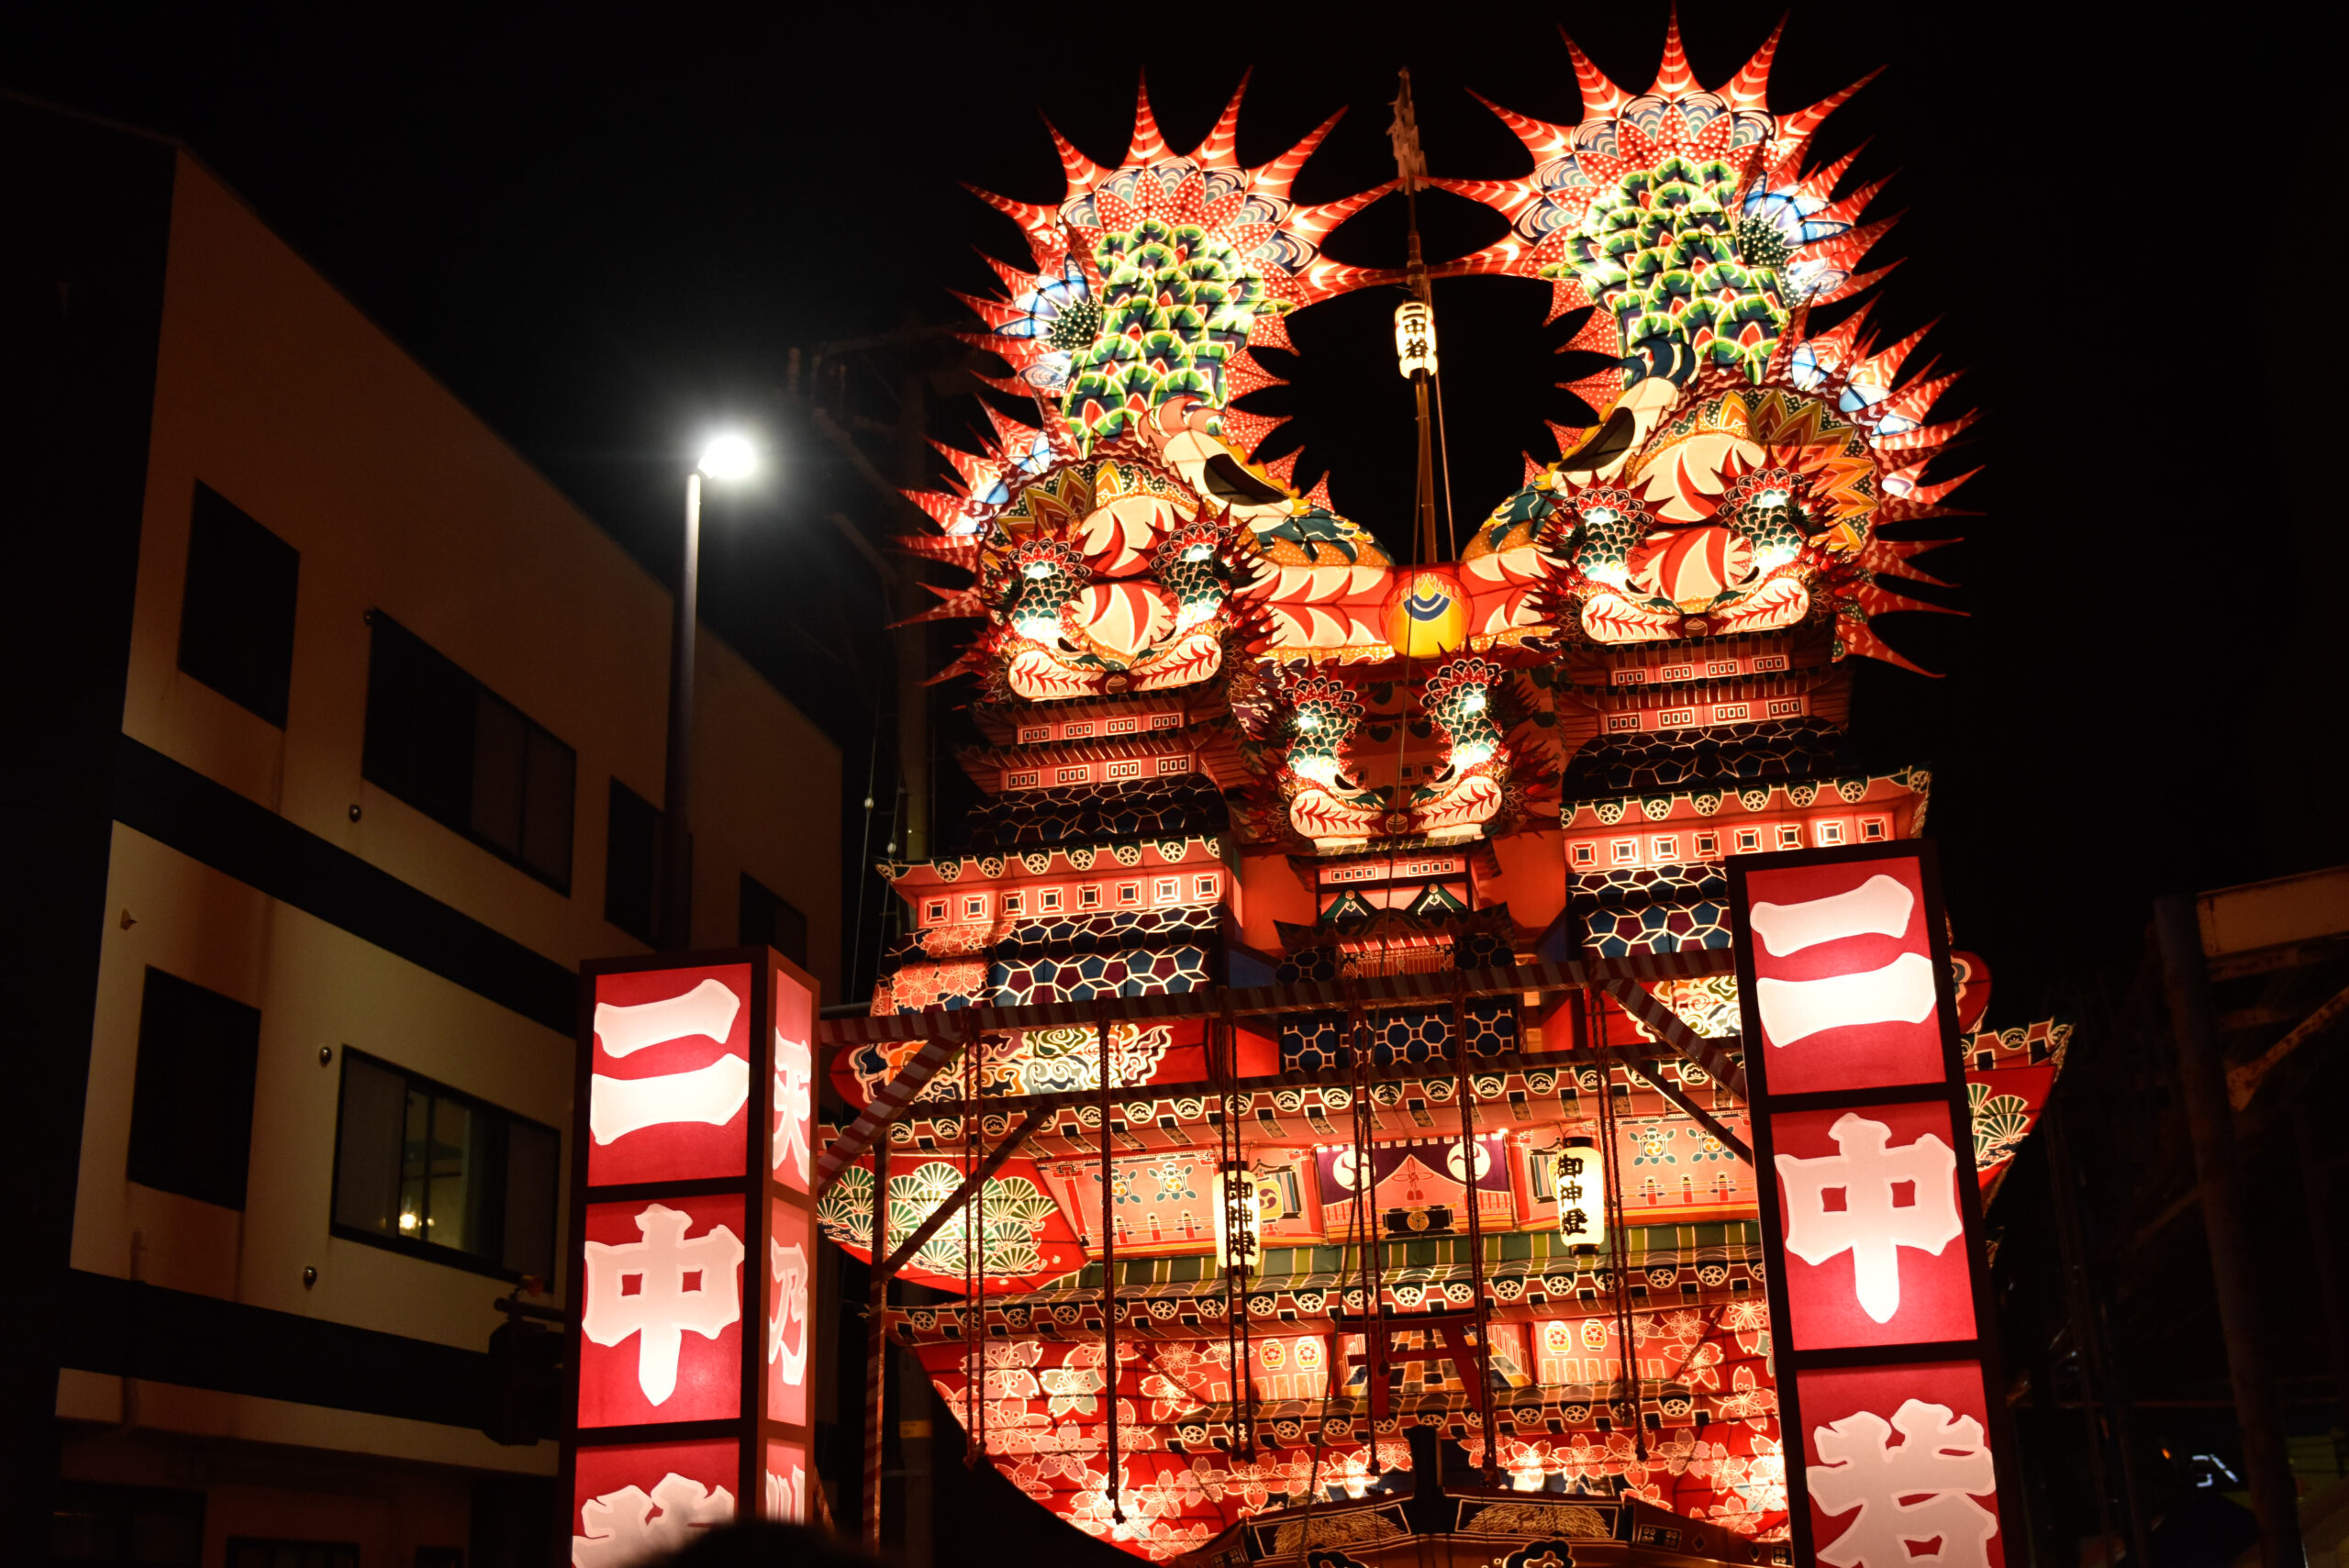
x,y
727,457
676,836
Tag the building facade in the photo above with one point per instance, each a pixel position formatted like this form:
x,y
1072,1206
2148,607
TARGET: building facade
x,y
336,746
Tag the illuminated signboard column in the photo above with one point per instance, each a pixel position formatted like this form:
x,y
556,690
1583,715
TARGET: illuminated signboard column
x,y
693,1247
1883,1331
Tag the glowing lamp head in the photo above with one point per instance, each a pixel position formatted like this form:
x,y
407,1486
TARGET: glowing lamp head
x,y
1772,498
728,457
1600,517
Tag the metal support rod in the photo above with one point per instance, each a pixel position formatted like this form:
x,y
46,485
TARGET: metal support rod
x,y
937,1220
1618,1242
2209,1120
1632,1062
1384,992
1482,1368
2318,1160
675,925
2095,1375
876,1349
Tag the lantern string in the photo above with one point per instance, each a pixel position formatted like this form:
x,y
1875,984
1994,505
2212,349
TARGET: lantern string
x,y
1618,1242
1254,1256
1365,1223
1359,1233
1108,1264
1467,1092
1240,1241
974,1283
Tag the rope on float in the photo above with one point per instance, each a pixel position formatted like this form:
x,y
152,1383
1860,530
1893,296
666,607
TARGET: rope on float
x,y
1242,1245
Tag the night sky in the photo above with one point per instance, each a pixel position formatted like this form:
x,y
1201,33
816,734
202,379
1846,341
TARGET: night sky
x,y
605,235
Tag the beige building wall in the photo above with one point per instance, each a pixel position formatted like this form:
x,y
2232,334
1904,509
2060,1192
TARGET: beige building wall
x,y
278,393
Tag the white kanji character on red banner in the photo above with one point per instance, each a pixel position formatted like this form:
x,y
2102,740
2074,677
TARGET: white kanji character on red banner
x,y
660,1287
624,1530
795,1103
1910,1497
789,1267
1886,1199
712,1093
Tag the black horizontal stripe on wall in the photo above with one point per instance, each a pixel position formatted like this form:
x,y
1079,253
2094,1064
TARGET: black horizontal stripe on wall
x,y
207,821
125,1329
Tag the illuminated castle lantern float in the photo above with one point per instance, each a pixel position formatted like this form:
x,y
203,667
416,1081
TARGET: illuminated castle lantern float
x,y
1397,902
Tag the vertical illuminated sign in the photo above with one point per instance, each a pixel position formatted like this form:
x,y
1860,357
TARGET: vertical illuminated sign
x,y
1578,1176
693,1250
1882,1328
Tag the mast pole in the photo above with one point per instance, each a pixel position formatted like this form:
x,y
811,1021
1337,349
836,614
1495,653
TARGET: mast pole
x,y
1410,165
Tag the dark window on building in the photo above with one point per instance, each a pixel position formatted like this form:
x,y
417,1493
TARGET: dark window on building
x,y
192,1100
252,1552
632,863
237,619
421,1168
96,1523
466,757
770,921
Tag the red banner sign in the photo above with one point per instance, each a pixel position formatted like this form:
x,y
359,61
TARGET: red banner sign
x,y
693,1247
1871,1210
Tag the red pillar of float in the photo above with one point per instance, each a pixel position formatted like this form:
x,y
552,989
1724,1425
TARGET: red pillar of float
x,y
1883,1331
692,1249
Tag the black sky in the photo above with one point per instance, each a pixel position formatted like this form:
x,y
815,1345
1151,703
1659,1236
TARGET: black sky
x,y
603,231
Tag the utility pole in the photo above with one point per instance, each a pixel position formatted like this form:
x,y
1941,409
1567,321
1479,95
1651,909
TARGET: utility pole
x,y
912,456
676,893
908,460
2209,1120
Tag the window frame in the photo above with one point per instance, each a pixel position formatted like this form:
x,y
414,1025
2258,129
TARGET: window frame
x,y
213,516
334,1551
619,798
433,1251
788,921
144,1161
531,730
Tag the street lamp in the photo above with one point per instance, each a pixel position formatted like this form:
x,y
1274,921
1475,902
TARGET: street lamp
x,y
726,457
